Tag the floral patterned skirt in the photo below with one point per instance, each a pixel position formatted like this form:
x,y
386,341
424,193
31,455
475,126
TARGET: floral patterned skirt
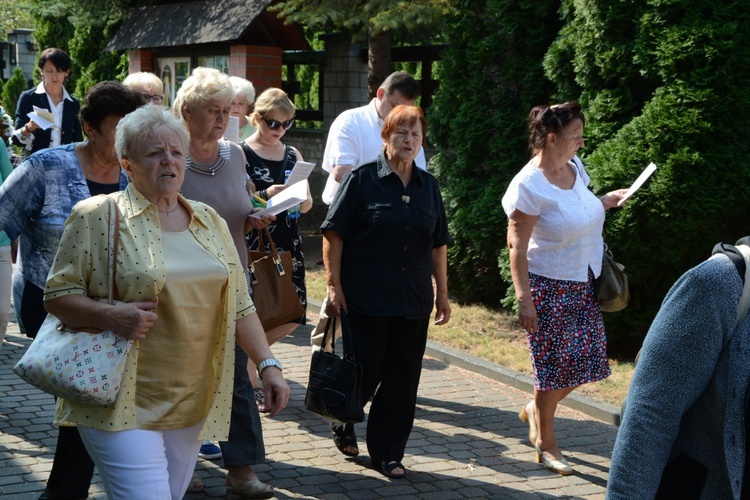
x,y
569,347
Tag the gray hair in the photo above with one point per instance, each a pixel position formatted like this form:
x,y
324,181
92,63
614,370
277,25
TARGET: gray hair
x,y
136,127
203,85
243,87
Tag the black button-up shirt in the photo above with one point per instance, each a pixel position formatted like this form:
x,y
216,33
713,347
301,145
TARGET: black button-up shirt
x,y
389,232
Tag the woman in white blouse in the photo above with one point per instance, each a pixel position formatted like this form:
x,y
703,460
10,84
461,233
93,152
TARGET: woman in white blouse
x,y
555,241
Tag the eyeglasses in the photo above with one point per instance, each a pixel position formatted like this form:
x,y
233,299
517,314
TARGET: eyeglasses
x,y
155,98
276,124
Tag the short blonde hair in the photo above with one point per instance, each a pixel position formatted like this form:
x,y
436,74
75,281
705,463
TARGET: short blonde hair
x,y
146,80
203,85
148,120
243,87
270,100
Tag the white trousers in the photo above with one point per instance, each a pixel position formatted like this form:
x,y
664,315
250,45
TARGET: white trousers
x,y
143,464
6,275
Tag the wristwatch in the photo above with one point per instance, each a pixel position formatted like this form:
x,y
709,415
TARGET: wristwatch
x,y
269,362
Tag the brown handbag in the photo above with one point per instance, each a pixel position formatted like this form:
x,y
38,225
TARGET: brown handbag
x,y
274,294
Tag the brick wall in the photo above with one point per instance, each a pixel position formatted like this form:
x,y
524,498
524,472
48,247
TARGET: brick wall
x,y
260,65
311,144
345,78
140,60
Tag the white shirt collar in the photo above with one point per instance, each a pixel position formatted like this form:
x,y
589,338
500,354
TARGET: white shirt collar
x,y
374,111
41,90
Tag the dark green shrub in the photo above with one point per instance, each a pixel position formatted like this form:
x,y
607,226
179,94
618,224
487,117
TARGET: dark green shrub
x,y
675,94
490,77
83,29
12,90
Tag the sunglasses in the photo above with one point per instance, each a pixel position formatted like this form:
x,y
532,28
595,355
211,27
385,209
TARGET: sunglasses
x,y
276,124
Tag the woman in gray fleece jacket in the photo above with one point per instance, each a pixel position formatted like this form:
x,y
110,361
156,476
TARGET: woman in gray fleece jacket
x,y
683,433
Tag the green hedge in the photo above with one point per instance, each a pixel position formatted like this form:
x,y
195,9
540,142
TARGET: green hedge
x,y
490,78
12,90
666,82
663,81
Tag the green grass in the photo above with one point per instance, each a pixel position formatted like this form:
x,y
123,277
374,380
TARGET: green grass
x,y
496,337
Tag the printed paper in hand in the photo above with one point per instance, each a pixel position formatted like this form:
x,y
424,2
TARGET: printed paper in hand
x,y
638,182
300,172
232,133
289,197
42,117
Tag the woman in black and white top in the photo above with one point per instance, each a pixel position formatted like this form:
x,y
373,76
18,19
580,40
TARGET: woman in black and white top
x,y
267,160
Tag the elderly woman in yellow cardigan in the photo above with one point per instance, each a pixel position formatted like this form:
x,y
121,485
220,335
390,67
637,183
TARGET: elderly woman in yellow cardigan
x,y
185,300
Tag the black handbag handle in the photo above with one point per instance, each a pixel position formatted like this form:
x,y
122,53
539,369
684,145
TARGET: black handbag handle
x,y
346,332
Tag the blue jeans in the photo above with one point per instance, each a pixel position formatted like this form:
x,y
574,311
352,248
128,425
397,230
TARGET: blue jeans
x,y
245,443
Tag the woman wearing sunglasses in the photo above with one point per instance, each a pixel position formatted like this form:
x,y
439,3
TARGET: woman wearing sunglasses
x,y
268,159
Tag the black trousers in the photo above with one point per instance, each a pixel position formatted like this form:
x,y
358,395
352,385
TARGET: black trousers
x,y
391,350
72,467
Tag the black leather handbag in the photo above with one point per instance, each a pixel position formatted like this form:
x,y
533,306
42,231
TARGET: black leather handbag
x,y
334,390
612,290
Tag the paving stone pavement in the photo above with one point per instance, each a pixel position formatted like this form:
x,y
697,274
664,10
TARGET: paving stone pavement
x,y
467,442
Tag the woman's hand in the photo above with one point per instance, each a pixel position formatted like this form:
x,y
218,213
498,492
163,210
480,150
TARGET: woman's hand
x,y
31,126
252,339
611,199
275,389
275,189
336,302
255,221
132,320
77,312
442,310
527,315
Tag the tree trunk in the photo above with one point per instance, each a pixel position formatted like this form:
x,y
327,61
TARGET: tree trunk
x,y
378,60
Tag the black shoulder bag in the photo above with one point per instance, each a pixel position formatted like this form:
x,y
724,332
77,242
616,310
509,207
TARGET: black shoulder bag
x,y
334,390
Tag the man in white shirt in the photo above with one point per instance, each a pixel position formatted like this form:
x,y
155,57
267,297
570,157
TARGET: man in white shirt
x,y
353,140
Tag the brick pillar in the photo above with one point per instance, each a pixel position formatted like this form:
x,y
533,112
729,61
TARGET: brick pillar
x,y
259,64
140,60
345,85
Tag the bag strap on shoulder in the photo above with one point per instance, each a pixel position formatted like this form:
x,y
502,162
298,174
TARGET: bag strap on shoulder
x,y
114,238
739,254
744,304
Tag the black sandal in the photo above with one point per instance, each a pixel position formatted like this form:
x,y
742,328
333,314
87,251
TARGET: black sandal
x,y
389,467
345,438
